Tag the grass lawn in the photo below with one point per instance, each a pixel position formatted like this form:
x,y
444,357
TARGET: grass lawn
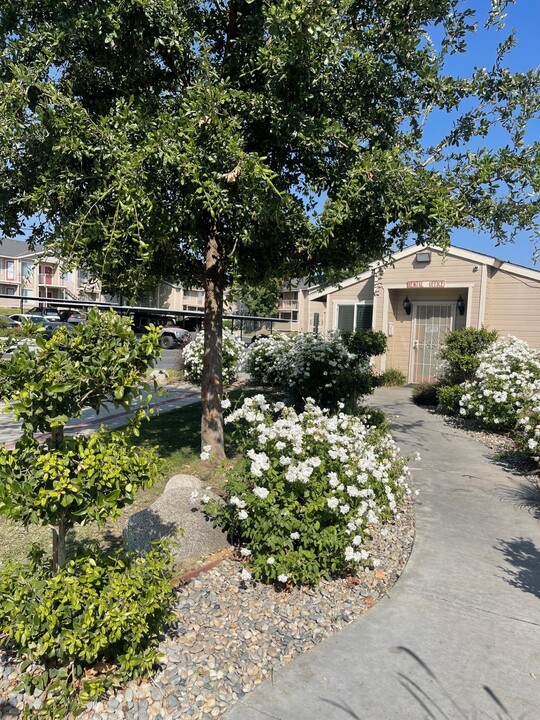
x,y
177,436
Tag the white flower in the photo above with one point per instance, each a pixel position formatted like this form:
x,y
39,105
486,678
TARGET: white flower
x,y
261,492
245,552
295,535
246,575
234,500
242,514
225,403
270,561
282,578
332,503
205,499
333,479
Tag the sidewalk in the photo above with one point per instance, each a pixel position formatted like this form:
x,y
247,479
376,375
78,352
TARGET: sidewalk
x,y
174,396
460,635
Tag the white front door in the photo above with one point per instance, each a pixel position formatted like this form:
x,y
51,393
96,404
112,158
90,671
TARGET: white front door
x,y
431,323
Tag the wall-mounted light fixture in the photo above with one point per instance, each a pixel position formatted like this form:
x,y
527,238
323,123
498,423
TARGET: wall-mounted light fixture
x,y
460,305
407,305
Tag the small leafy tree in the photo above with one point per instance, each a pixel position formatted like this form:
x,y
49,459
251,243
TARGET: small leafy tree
x,y
363,345
461,352
262,299
65,479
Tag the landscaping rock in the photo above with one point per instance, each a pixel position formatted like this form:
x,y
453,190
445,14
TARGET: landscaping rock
x,y
230,634
172,511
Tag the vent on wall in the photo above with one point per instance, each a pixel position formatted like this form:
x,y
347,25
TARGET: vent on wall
x,y
423,257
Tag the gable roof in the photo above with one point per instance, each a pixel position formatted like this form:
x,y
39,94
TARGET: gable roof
x,y
17,248
452,251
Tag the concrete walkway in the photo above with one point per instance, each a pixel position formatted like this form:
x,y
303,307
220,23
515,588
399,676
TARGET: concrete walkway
x,y
460,635
170,398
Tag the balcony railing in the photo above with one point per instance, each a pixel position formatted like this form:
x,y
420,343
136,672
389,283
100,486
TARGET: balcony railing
x,y
288,305
48,279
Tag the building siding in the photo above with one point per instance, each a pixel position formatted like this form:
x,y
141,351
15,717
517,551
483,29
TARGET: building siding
x,y
513,306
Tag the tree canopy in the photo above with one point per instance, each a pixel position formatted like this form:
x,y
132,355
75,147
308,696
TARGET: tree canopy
x,y
240,140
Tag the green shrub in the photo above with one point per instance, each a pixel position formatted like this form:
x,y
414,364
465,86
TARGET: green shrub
x,y
3,322
89,627
372,417
449,397
425,394
392,378
310,491
460,353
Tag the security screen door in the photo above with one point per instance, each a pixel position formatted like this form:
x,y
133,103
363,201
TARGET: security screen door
x,y
431,323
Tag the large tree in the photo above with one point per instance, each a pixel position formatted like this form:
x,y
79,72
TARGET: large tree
x,y
195,141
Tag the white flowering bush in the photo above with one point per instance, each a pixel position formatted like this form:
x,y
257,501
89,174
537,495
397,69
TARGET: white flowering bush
x,y
508,375
323,368
193,356
528,426
310,491
261,357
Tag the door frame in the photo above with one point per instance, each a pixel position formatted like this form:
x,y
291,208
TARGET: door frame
x,y
423,303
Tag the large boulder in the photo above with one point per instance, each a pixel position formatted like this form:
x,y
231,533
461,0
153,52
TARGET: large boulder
x,y
175,509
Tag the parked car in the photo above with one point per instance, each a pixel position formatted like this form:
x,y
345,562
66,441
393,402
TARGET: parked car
x,y
50,313
18,319
72,316
171,333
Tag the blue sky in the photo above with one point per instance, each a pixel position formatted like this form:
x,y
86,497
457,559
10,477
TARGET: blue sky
x,y
524,16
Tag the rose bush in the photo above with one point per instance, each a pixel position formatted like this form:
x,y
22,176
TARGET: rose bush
x,y
311,489
260,359
506,380
528,426
327,369
193,357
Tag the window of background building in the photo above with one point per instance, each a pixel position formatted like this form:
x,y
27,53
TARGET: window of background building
x,y
27,270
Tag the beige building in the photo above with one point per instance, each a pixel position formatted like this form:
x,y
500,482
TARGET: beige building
x,y
423,294
35,274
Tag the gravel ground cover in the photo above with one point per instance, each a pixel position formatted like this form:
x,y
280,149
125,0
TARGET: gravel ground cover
x,y
230,635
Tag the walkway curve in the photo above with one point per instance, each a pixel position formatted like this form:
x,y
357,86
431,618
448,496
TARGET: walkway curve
x,y
459,638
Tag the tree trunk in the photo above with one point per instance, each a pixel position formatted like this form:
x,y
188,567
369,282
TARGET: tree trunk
x,y
59,544
212,377
59,531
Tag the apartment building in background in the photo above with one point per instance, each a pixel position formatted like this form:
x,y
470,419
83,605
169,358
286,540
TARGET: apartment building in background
x,y
34,273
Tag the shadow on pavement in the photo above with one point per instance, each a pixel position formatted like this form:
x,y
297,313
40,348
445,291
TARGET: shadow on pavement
x,y
434,701
525,496
524,557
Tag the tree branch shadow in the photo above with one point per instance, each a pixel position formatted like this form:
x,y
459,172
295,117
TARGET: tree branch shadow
x,y
145,527
524,557
434,701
